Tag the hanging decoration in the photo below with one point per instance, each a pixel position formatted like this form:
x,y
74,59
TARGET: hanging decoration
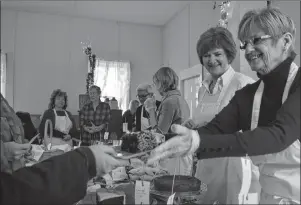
x,y
87,49
226,13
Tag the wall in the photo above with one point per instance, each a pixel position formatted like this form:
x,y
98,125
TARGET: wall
x,y
181,33
46,54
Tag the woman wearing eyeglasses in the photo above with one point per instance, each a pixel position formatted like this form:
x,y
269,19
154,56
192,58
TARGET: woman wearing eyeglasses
x,y
144,91
216,50
267,112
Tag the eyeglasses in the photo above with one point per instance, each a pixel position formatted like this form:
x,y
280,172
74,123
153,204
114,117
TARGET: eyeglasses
x,y
254,41
142,96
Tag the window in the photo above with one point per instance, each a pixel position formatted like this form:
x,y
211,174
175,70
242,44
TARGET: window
x,y
3,73
114,80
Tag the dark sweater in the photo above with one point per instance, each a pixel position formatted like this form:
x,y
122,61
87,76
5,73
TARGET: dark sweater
x,y
49,114
60,180
129,118
278,126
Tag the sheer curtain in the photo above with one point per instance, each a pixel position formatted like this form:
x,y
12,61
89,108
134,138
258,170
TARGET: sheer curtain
x,y
3,73
114,80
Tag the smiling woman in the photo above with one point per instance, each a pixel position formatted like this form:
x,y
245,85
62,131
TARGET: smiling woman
x,y
64,125
216,50
260,34
262,120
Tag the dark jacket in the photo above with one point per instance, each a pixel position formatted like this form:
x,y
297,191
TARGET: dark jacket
x,y
129,118
49,114
278,125
145,114
60,180
29,130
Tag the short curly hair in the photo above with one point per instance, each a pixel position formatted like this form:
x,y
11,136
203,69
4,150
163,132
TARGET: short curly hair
x,y
56,93
217,37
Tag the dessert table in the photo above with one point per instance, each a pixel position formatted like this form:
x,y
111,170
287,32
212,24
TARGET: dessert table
x,y
127,188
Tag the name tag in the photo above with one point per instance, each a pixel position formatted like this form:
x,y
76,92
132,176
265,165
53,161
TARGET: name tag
x,y
142,192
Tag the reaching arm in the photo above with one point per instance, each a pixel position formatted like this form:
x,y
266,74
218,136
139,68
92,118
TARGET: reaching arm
x,y
58,180
273,138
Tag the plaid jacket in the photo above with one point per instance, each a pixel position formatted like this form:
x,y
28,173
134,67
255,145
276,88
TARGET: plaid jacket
x,y
98,117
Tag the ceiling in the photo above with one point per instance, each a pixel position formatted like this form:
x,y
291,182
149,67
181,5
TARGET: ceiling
x,y
143,12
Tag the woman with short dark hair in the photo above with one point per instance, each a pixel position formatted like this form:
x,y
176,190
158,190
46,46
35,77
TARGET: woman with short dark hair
x,y
216,50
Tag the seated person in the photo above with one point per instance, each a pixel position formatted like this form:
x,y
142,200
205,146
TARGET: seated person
x,y
130,115
29,130
64,127
94,118
144,91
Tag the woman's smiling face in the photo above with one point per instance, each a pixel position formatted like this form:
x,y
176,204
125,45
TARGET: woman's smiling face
x,y
264,54
216,62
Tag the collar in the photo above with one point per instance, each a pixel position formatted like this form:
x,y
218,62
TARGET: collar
x,y
170,93
279,75
90,105
221,81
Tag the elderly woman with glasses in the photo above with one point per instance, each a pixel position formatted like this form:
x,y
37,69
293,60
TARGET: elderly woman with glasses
x,y
216,49
144,91
266,112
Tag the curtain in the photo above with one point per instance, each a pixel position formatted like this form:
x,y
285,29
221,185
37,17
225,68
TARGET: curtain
x,y
3,73
114,80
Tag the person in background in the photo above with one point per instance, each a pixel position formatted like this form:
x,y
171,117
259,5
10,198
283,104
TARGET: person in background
x,y
29,130
64,127
216,49
129,115
142,117
94,118
58,180
172,110
266,112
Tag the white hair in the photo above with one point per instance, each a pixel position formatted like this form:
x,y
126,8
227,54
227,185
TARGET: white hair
x,y
145,87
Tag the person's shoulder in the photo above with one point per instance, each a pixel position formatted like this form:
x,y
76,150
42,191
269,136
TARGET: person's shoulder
x,y
172,100
127,112
247,90
68,112
105,105
242,79
48,112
